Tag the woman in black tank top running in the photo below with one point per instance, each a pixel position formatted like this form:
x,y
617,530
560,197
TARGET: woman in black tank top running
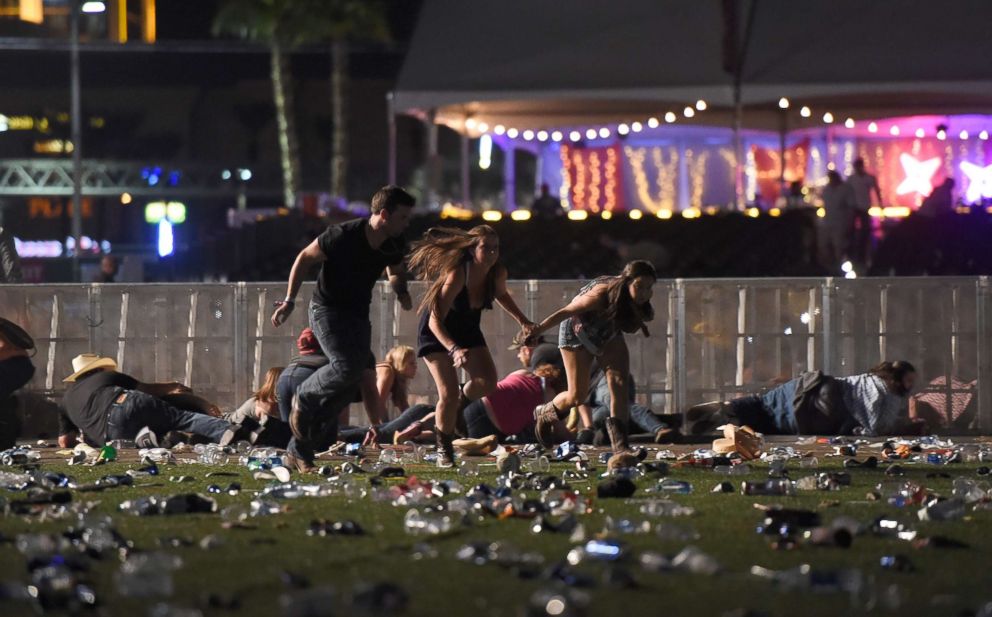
x,y
465,278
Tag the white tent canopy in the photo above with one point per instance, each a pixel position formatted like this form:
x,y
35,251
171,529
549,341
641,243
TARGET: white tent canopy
x,y
537,63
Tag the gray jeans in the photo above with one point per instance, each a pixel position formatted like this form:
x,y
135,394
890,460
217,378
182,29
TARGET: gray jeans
x,y
346,339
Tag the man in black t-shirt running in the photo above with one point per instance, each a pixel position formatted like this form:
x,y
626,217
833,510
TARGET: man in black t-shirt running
x,y
352,255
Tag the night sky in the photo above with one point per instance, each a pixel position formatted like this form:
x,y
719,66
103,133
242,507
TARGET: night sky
x,y
185,19
191,19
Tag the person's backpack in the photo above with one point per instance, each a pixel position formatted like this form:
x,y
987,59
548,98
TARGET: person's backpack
x,y
16,335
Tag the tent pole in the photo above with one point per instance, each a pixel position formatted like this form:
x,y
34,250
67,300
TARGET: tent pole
x,y
539,169
783,128
739,57
741,198
466,189
391,127
77,138
433,163
509,177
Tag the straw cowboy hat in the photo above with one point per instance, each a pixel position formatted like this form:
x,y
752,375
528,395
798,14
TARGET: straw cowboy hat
x,y
87,362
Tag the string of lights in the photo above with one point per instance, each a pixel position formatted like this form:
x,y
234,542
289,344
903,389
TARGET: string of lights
x,y
593,182
575,135
622,129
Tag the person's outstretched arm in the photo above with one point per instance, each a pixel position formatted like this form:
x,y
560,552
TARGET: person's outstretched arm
x,y
506,301
398,281
308,257
384,379
593,299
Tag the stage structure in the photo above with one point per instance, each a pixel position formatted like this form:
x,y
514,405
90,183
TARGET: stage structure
x,y
667,106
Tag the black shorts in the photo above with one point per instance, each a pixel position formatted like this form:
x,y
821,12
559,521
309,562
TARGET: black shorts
x,y
463,327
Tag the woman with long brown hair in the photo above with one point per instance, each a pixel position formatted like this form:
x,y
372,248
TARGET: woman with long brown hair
x,y
465,277
592,327
262,403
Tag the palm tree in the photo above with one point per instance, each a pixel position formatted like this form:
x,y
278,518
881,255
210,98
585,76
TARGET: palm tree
x,y
347,21
276,24
286,24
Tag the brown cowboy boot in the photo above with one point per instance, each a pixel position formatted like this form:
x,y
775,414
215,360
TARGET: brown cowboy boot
x,y
545,417
623,454
618,435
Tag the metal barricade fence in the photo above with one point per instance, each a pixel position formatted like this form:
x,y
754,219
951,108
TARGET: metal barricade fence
x,y
710,339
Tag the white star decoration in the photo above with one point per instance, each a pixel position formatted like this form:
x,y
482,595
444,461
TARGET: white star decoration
x,y
979,181
918,175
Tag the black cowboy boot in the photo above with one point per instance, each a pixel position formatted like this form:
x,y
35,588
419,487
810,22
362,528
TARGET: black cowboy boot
x,y
445,449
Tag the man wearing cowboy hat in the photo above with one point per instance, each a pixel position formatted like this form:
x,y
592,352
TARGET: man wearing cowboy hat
x,y
104,405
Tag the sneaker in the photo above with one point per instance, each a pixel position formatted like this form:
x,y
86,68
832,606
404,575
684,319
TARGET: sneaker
x,y
298,463
545,417
145,439
585,437
232,435
666,435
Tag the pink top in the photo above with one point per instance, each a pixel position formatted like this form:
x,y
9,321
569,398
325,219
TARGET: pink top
x,y
514,400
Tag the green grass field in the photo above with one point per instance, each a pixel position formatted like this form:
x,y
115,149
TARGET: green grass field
x,y
248,566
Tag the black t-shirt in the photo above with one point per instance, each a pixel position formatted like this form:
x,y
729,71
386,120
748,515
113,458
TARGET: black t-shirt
x,y
348,276
88,400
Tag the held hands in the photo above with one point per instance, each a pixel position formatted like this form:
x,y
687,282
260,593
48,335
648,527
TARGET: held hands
x,y
282,312
528,333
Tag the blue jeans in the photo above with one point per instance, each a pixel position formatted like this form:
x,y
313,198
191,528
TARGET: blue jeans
x,y
779,401
386,430
641,417
139,410
346,339
289,382
771,413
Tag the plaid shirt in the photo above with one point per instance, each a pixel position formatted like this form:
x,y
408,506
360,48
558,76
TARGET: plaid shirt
x,y
870,403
